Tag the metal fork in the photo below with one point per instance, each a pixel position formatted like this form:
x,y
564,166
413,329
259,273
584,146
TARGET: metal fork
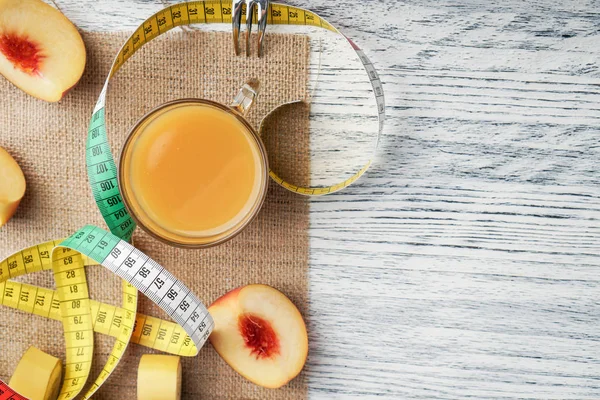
x,y
263,8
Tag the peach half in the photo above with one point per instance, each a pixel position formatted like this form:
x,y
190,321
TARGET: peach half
x,y
260,333
12,186
41,51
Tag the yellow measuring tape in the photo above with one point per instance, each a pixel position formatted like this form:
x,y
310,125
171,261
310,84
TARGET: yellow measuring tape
x,y
151,332
70,302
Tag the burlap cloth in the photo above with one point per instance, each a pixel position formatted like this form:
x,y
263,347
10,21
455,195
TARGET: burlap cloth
x,y
48,142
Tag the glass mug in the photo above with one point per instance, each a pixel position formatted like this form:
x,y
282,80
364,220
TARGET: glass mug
x,y
193,172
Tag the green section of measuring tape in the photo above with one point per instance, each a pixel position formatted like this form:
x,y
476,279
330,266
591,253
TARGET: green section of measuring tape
x,y
102,170
102,173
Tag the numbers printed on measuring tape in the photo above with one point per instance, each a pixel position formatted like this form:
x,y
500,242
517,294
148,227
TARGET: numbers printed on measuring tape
x,y
144,272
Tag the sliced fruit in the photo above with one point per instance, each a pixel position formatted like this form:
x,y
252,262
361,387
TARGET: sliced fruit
x,y
12,186
260,333
41,51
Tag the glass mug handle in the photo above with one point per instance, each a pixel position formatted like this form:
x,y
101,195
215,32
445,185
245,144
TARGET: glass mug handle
x,y
246,96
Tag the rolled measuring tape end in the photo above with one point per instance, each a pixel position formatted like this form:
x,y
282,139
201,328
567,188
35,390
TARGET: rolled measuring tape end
x,y
159,377
37,375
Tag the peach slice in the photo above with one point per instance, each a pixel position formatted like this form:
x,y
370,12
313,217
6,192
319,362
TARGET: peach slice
x,y
260,333
12,186
41,51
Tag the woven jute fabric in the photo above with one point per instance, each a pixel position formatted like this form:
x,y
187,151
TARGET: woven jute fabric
x,y
48,141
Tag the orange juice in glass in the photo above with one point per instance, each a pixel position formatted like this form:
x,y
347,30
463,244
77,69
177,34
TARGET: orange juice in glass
x,y
193,172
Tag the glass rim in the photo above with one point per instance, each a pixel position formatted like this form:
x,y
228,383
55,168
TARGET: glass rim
x,y
231,232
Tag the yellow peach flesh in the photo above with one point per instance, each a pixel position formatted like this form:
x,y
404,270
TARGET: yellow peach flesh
x,y
265,304
41,51
12,186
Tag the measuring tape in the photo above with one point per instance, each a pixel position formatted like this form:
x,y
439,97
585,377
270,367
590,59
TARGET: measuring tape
x,y
70,302
102,170
151,332
78,313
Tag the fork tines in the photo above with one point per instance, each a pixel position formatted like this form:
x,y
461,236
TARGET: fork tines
x,y
263,9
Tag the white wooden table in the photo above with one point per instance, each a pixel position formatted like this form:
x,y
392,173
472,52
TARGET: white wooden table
x,y
466,263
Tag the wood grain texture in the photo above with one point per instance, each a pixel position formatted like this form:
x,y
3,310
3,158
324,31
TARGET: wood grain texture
x,y
466,263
